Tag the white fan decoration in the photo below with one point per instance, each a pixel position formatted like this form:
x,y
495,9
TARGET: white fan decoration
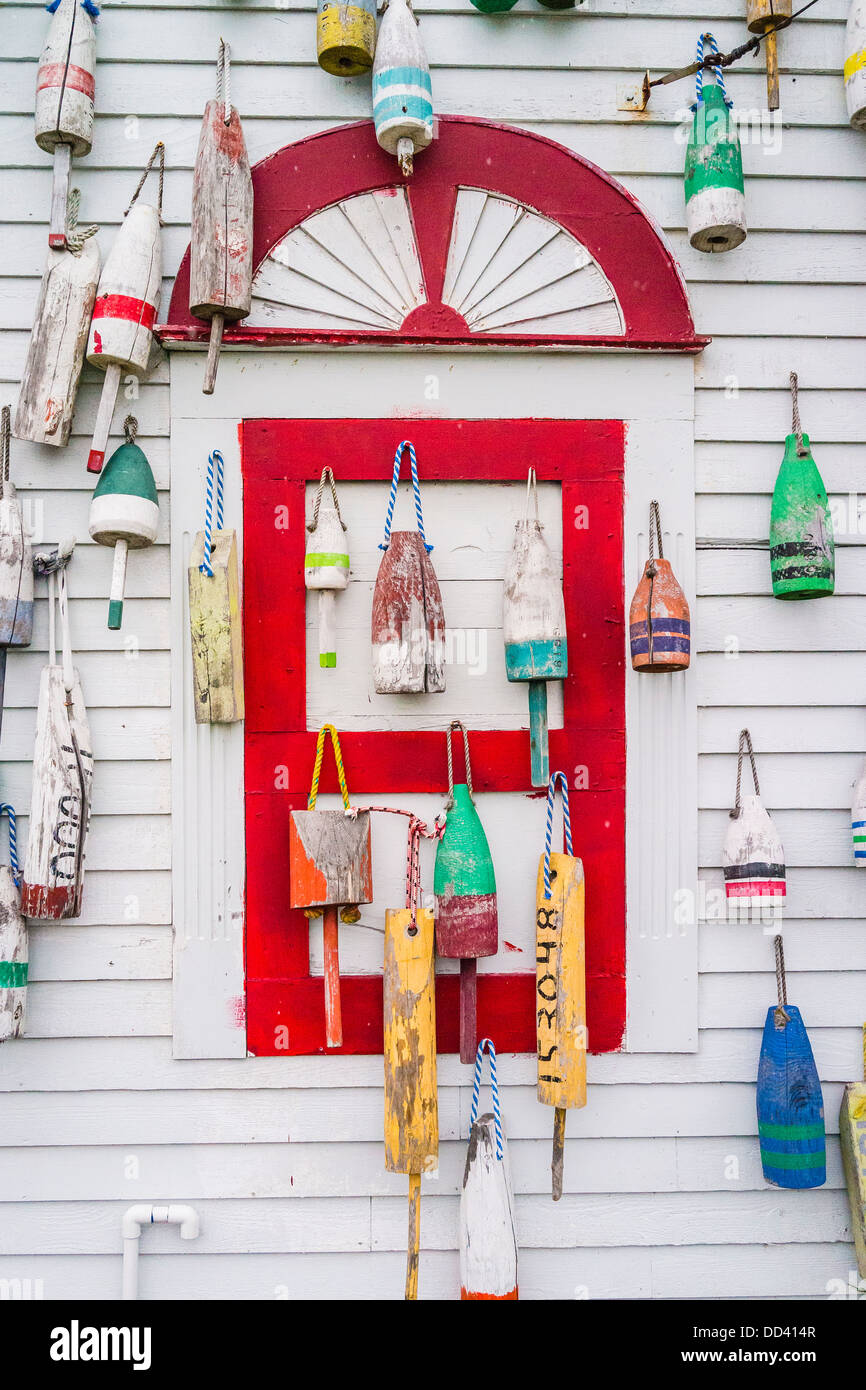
x,y
355,267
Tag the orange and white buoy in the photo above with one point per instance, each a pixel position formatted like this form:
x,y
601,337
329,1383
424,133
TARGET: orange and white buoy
x,y
65,91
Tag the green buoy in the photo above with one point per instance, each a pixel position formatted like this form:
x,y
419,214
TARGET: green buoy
x,y
802,551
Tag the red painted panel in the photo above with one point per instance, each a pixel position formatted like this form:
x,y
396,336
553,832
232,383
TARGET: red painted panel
x,y
278,457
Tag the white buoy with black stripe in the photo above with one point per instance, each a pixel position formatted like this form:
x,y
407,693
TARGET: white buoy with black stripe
x,y
326,564
65,90
488,1242
854,70
402,91
121,331
124,512
753,858
14,955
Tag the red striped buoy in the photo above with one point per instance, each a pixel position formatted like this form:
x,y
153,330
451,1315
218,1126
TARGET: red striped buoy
x,y
753,858
659,622
65,92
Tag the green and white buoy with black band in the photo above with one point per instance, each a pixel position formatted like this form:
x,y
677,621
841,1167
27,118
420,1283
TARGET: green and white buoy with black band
x,y
715,197
124,512
802,549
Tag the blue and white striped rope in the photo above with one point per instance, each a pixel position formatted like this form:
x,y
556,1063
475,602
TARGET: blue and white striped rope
x,y
9,811
717,71
398,459
494,1090
566,820
206,567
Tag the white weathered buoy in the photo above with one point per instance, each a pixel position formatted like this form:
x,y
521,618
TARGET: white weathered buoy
x,y
13,942
64,99
221,240
402,92
16,560
715,196
326,564
753,859
124,512
55,353
854,70
858,819
121,332
488,1243
53,878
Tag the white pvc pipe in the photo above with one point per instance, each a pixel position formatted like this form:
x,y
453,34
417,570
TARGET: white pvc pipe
x,y
133,1220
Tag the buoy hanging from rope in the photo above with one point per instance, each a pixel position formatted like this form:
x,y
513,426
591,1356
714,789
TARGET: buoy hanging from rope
x,y
408,621
124,512
715,197
16,560
121,331
752,858
488,1241
858,819
533,623
409,1003
402,91
65,91
659,622
221,238
852,1127
464,885
330,868
802,548
560,979
55,352
14,955
326,563
854,71
215,611
761,16
346,36
62,769
789,1099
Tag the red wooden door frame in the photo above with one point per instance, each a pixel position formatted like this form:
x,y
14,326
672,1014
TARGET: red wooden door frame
x,y
285,1004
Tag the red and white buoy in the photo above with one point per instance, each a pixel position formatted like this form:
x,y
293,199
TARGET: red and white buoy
x,y
65,91
753,859
121,331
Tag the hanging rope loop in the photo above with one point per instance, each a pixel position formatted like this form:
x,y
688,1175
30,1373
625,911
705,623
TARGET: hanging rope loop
x,y
745,745
418,831
781,1014
416,488
531,495
487,1043
76,235
710,42
215,466
456,727
655,537
561,778
796,427
317,766
158,152
130,429
326,480
5,441
9,812
223,79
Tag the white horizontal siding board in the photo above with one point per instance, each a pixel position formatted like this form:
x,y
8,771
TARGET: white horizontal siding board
x,y
98,953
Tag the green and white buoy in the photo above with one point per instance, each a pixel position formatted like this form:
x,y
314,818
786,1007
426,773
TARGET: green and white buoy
x,y
715,197
802,550
124,511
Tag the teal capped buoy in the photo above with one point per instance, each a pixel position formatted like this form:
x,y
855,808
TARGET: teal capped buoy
x,y
802,549
715,197
789,1099
494,6
464,885
124,511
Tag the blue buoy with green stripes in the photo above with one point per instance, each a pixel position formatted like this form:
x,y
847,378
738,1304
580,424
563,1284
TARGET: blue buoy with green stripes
x,y
790,1104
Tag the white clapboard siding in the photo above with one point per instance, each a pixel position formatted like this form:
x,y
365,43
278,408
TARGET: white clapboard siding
x,y
663,1191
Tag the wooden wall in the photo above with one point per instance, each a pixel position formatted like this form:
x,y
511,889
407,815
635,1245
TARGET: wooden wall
x,y
664,1191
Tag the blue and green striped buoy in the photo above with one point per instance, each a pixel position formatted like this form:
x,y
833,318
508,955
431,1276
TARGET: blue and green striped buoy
x,y
790,1104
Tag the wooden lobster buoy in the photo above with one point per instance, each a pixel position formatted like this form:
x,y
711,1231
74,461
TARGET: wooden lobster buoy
x,y
346,37
13,942
409,1001
121,331
715,197
789,1099
858,819
221,240
62,772
852,1141
64,99
408,622
402,92
215,613
330,867
533,625
326,564
464,886
560,980
488,1242
855,64
124,512
752,858
802,548
763,16
659,622
16,561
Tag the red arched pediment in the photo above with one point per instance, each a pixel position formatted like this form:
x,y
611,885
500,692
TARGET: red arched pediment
x,y
501,237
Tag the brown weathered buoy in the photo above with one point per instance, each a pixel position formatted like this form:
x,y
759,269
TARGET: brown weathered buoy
x,y
659,620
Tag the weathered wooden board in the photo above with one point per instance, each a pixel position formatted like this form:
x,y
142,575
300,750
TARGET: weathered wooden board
x,y
411,1101
561,984
216,631
330,859
852,1141
16,573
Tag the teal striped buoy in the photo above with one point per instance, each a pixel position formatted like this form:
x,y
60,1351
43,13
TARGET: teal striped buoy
x,y
402,92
